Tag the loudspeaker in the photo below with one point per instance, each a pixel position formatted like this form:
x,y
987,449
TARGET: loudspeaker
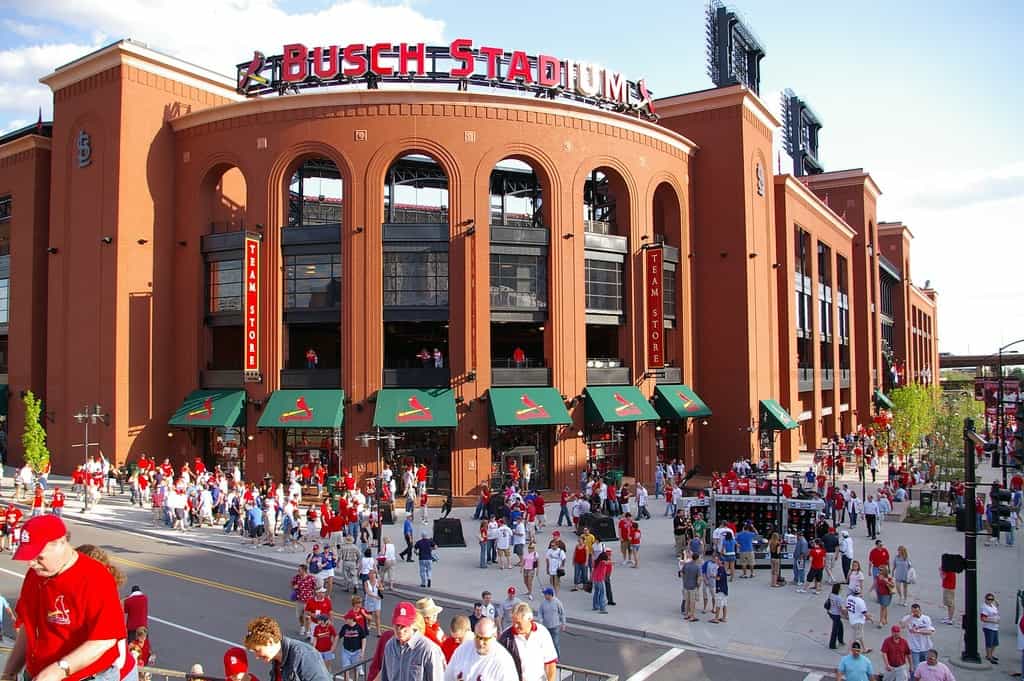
x,y
448,532
387,513
952,562
601,526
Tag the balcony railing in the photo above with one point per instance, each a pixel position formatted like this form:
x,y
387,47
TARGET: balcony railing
x,y
827,379
599,226
503,297
844,378
607,371
310,378
417,378
805,379
525,376
221,378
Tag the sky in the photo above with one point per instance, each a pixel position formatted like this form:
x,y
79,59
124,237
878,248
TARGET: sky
x,y
924,95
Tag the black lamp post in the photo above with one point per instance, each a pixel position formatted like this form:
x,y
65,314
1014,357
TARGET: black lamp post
x,y
91,413
365,439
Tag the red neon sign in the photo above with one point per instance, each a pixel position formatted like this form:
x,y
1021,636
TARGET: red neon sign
x,y
655,307
251,296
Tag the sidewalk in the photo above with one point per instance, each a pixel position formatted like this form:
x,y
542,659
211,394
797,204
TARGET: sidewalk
x,y
777,625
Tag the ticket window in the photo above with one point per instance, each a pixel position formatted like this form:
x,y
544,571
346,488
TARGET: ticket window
x,y
228,449
514,451
310,446
429,446
667,441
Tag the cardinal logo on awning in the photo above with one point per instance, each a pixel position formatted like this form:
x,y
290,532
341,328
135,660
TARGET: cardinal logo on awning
x,y
688,404
203,414
625,408
530,410
302,412
417,411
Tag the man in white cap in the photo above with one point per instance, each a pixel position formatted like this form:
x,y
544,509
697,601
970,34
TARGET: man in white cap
x,y
69,611
481,657
846,553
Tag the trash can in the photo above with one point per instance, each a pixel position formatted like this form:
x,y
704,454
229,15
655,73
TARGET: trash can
x,y
925,501
613,477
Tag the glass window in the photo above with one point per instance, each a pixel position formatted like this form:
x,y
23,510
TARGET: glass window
x,y
603,285
5,299
225,286
669,291
315,194
416,279
312,281
519,281
5,208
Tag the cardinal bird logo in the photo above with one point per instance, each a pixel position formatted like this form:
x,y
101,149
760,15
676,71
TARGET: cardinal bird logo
x,y
59,614
302,412
251,74
417,411
531,410
688,404
625,408
203,414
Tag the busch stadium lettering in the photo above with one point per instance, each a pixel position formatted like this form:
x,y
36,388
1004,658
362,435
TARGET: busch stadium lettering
x,y
299,67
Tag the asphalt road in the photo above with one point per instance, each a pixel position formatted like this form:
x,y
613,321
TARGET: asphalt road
x,y
202,598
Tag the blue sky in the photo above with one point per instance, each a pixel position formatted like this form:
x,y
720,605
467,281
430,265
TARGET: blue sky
x,y
925,96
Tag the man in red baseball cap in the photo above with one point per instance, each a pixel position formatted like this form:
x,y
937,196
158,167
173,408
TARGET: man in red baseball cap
x,y
409,655
66,632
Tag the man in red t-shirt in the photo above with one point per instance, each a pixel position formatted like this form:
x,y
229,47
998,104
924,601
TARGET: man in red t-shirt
x,y
948,594
320,604
12,516
817,554
896,653
136,609
57,502
878,557
69,619
625,527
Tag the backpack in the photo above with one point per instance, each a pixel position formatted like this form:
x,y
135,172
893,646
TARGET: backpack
x,y
828,605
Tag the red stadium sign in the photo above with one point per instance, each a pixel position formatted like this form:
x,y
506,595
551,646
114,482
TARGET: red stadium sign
x,y
300,67
251,296
653,289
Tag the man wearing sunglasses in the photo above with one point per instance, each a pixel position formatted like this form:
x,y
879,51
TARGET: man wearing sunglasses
x,y
481,657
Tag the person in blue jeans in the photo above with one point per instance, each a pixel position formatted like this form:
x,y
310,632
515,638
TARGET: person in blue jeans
x,y
602,569
425,552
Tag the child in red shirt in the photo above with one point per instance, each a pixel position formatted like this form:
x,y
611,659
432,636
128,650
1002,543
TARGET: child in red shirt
x,y
57,502
634,545
37,502
324,639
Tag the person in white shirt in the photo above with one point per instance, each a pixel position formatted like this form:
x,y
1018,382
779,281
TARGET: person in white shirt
x,y
857,614
555,560
846,552
641,502
989,614
919,630
871,516
482,657
504,546
538,659
519,541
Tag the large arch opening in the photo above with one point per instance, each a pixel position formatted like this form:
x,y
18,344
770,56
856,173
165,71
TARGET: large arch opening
x,y
605,212
311,271
519,245
222,205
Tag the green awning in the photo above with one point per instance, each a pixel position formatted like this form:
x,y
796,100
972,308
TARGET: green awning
x,y
775,417
211,409
679,402
303,409
3,399
617,404
882,401
527,407
409,408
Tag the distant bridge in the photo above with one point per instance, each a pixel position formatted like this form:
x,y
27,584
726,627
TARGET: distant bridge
x,y
967,361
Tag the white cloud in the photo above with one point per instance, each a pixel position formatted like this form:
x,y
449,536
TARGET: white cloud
x,y
25,30
214,34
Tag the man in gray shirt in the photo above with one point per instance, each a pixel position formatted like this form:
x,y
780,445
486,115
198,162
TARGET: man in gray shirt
x,y
690,572
552,616
409,655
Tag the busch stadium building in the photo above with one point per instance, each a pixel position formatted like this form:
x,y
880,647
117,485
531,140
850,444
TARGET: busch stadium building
x,y
472,257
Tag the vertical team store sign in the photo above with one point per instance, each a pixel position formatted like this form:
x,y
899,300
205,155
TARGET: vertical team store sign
x,y
655,293
251,299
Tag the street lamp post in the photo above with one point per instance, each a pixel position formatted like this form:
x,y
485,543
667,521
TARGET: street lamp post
x,y
89,414
1000,435
835,483
365,439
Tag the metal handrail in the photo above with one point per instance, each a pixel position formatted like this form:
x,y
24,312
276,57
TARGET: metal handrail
x,y
565,673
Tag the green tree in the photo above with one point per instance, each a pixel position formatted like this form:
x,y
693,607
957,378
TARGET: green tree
x,y
33,439
913,416
948,442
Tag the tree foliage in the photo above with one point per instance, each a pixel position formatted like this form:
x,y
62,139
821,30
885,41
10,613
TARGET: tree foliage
x,y
913,415
947,451
33,439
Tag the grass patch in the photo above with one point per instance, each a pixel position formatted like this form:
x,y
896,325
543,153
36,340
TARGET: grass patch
x,y
914,515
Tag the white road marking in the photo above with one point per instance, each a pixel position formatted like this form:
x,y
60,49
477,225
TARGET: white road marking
x,y
19,575
194,631
813,677
664,659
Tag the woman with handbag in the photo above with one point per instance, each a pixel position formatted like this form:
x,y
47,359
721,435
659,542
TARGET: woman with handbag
x,y
884,586
373,599
386,564
529,563
902,573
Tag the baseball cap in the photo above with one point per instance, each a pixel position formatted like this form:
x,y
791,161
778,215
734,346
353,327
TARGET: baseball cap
x,y
548,591
556,533
895,629
404,614
845,533
321,588
855,644
235,662
37,533
511,591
